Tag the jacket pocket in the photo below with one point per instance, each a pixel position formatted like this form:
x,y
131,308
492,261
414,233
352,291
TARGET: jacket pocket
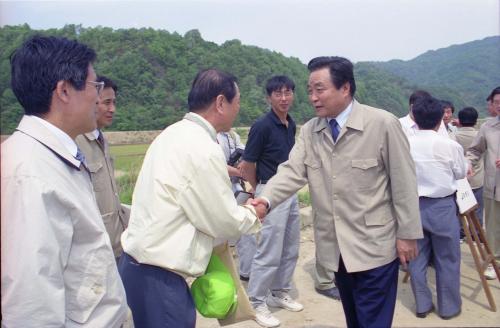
x,y
82,301
364,173
378,218
312,163
97,173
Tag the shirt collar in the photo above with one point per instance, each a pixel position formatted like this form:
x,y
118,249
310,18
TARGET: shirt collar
x,y
95,133
62,136
198,119
426,132
275,117
343,116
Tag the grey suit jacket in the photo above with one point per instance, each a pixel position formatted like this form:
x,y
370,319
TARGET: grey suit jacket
x,y
363,188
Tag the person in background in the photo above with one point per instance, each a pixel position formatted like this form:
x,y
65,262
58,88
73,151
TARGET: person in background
x,y
95,147
408,122
439,162
465,134
491,108
233,150
58,268
448,120
487,144
181,203
356,160
270,140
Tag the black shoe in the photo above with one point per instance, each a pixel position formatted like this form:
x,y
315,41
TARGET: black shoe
x,y
448,317
243,278
332,292
424,314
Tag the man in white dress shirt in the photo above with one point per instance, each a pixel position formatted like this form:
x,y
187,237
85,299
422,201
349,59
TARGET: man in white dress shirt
x,y
58,268
439,162
408,122
182,201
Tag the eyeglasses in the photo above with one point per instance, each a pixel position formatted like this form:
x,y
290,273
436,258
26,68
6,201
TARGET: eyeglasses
x,y
280,94
98,86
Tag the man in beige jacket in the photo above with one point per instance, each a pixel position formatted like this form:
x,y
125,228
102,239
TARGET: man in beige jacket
x,y
96,150
487,143
363,189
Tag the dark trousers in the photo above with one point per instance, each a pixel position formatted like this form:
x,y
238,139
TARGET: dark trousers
x,y
156,297
368,297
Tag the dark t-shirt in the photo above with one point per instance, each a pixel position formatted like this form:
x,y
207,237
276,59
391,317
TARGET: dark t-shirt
x,y
269,143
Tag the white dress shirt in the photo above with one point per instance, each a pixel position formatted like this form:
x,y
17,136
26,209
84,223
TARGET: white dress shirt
x,y
410,126
439,162
183,200
342,117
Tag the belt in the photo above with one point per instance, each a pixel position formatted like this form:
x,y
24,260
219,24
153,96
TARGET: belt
x,y
425,197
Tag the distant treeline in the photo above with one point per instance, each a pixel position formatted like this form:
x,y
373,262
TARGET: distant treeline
x,y
154,70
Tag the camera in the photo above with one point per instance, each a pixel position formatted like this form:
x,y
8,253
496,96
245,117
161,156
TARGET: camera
x,y
235,156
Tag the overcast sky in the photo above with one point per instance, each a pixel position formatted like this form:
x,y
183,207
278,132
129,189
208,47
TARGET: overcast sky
x,y
357,29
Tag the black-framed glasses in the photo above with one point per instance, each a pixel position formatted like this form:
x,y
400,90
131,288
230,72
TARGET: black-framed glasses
x,y
98,86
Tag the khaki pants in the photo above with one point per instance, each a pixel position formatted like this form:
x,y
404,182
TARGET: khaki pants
x,y
492,220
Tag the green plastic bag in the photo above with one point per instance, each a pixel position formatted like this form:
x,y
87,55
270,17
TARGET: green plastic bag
x,y
214,293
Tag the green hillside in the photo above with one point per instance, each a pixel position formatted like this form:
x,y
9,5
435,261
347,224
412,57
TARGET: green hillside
x,y
472,70
154,69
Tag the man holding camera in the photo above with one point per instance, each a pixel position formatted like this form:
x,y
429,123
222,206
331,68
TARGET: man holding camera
x,y
270,140
233,149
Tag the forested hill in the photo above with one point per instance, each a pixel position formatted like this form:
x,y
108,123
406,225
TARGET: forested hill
x,y
154,70
472,69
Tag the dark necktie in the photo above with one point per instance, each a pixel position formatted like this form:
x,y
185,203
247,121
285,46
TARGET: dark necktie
x,y
100,138
335,128
79,156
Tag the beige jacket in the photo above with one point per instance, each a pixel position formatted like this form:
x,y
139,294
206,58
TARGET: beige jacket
x,y
58,269
487,143
100,164
363,188
464,136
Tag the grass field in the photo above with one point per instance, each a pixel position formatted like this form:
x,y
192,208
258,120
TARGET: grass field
x,y
128,162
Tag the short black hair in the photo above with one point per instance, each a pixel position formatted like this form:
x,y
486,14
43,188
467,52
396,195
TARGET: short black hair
x,y
448,104
468,116
207,85
108,83
341,70
40,63
428,112
276,83
417,94
493,93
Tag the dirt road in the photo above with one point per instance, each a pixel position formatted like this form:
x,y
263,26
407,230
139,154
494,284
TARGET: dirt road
x,y
322,312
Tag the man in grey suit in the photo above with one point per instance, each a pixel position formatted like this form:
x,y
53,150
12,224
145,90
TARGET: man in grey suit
x,y
363,188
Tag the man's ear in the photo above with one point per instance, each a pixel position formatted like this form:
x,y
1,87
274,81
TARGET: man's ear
x,y
346,89
62,91
219,103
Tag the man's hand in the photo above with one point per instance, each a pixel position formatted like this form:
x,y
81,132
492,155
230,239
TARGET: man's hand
x,y
407,250
260,207
470,170
497,163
